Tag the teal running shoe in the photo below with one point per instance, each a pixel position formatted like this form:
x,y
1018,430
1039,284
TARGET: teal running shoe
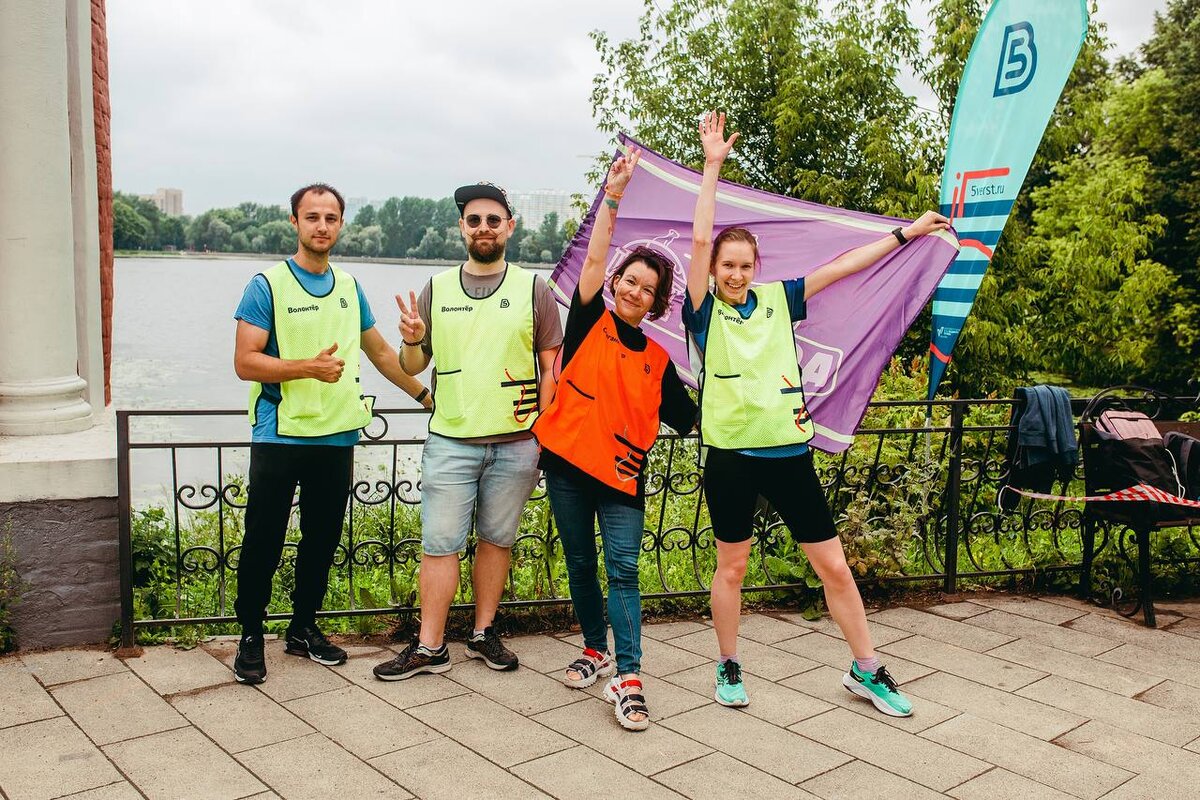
x,y
730,689
880,689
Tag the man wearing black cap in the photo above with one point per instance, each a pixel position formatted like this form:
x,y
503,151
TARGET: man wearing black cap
x,y
492,331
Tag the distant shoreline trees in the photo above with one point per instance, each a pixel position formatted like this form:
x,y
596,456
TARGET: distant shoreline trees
x,y
401,227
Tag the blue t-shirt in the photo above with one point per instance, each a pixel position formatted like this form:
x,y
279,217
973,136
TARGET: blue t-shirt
x,y
258,309
696,323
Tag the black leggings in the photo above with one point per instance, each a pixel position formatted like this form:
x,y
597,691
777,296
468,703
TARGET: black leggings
x,y
733,481
323,473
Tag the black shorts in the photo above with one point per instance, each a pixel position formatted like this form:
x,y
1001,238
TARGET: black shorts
x,y
733,482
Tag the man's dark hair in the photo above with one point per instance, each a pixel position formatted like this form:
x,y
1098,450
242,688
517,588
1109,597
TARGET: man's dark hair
x,y
317,188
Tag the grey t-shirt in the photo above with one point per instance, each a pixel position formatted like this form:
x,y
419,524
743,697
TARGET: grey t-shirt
x,y
547,325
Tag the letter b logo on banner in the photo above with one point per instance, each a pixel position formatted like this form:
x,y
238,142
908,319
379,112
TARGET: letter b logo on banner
x,y
1018,60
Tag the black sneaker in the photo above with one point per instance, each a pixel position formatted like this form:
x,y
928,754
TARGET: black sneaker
x,y
414,660
250,666
491,650
309,641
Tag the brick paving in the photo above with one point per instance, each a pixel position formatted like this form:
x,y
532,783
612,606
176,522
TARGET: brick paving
x,y
1015,697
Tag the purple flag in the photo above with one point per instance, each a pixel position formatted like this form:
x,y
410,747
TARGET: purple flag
x,y
853,326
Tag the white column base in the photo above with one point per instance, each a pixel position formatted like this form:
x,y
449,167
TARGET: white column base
x,y
47,406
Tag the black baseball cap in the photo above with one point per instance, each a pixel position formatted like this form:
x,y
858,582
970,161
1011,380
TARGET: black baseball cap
x,y
479,191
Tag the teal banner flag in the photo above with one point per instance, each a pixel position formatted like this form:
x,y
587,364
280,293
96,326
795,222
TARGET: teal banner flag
x,y
1015,73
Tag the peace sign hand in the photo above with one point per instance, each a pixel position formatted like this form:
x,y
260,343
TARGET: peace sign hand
x,y
712,137
412,327
621,171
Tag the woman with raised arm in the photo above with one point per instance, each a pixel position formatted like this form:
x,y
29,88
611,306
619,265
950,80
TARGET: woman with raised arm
x,y
754,426
615,386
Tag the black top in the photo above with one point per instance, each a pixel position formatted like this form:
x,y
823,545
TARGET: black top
x,y
676,408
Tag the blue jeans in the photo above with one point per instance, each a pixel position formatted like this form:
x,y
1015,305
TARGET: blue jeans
x,y
576,511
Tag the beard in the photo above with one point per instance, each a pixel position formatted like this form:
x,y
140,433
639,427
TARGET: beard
x,y
485,251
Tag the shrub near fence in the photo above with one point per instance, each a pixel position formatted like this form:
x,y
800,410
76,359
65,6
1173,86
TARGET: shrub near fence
x,y
915,503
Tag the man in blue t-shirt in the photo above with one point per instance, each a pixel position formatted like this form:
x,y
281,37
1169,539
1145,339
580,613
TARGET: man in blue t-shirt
x,y
318,452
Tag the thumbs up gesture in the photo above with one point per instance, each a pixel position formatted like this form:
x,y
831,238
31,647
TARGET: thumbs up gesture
x,y
326,366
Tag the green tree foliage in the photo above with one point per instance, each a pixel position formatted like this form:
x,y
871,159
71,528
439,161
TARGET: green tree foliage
x,y
814,96
131,231
365,217
1098,272
139,225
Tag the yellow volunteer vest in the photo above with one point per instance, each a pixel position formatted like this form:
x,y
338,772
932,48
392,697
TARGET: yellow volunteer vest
x,y
304,326
483,356
751,394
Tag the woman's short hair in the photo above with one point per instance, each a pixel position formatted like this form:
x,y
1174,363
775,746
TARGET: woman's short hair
x,y
657,262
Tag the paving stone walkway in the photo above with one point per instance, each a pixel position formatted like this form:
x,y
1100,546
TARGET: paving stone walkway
x,y
1015,698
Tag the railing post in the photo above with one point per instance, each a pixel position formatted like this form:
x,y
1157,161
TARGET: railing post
x,y
124,529
953,493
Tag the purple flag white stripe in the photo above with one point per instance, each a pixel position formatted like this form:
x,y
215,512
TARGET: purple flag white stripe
x,y
853,327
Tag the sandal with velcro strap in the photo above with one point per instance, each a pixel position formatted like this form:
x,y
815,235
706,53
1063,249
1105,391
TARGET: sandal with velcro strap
x,y
591,665
627,699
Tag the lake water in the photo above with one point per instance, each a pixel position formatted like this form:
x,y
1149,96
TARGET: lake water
x,y
173,329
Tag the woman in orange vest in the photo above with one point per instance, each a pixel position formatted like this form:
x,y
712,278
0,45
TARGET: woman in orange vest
x,y
615,386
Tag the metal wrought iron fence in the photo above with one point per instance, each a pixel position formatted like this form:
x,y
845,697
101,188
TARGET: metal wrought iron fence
x,y
915,502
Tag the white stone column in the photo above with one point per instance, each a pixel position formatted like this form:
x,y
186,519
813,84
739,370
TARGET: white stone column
x,y
40,388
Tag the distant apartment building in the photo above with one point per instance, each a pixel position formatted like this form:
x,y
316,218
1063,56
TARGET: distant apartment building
x,y
168,201
353,206
532,207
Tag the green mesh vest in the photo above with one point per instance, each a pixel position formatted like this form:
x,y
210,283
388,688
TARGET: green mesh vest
x,y
483,355
304,326
751,394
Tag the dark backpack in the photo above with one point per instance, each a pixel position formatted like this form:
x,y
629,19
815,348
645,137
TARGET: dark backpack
x,y
1123,448
1186,451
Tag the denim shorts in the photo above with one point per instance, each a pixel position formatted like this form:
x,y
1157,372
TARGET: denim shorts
x,y
487,483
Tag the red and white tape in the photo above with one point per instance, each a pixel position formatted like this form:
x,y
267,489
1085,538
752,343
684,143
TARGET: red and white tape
x,y
1141,492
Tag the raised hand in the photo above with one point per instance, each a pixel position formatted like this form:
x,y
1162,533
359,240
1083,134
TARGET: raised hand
x,y
412,327
621,171
928,222
326,366
712,137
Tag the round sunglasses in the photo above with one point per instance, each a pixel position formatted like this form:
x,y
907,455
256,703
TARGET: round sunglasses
x,y
493,220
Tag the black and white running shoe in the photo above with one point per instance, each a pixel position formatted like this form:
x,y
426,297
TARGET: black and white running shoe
x,y
413,660
309,641
493,652
250,665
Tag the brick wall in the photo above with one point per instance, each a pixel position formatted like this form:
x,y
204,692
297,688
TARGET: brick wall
x,y
104,176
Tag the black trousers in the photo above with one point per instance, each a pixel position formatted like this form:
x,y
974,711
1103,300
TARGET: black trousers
x,y
323,473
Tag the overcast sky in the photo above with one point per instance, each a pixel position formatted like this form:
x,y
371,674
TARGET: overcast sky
x,y
231,100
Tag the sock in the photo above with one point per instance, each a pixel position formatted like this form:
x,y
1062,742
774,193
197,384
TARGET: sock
x,y
733,657
868,666
477,634
432,651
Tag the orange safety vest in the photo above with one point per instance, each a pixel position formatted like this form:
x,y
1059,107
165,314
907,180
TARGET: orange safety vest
x,y
604,418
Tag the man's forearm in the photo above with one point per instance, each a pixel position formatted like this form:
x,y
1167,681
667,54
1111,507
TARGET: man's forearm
x,y
263,368
413,359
